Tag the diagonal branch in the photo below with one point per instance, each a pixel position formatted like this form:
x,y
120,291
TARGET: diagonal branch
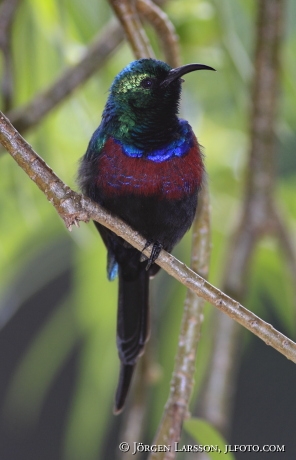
x,y
164,28
8,10
103,46
259,216
30,115
182,380
127,14
73,207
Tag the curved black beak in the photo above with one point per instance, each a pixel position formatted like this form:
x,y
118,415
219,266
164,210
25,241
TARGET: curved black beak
x,y
180,71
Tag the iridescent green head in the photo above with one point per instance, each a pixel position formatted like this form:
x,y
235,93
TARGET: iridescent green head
x,y
138,84
143,101
149,83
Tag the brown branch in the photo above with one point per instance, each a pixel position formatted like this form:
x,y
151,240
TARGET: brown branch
x,y
8,10
135,34
31,114
128,15
286,243
163,28
216,397
73,207
7,14
259,216
28,116
182,380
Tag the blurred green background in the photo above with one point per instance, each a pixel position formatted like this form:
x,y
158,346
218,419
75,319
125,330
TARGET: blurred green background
x,y
58,354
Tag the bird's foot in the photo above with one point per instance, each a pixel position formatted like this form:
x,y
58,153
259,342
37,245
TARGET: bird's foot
x,y
156,248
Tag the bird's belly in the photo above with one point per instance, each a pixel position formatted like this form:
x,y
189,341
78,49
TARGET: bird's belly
x,y
157,219
157,199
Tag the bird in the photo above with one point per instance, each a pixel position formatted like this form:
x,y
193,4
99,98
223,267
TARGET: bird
x,y
144,165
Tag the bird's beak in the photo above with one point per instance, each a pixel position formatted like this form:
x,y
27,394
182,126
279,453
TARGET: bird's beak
x,y
180,71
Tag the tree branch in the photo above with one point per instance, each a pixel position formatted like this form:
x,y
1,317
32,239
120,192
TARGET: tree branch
x,y
73,207
8,10
259,215
182,380
164,29
127,14
107,41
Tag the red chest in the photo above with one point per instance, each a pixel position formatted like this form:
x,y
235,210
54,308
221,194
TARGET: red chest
x,y
171,179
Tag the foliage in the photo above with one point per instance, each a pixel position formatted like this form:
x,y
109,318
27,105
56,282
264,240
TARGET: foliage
x,y
207,436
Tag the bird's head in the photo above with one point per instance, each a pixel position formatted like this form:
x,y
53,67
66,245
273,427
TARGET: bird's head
x,y
143,103
150,84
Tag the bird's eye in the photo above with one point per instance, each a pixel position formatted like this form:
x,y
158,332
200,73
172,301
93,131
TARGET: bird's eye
x,y
147,83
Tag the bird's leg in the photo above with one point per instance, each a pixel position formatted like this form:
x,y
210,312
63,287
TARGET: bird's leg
x,y
147,244
156,248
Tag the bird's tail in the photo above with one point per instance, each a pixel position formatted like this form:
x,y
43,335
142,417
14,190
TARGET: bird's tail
x,y
132,328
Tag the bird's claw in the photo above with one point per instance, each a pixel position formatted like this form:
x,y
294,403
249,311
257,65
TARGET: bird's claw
x,y
156,248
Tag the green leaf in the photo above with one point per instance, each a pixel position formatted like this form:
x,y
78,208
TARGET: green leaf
x,y
206,435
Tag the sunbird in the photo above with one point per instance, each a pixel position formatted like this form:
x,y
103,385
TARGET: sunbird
x,y
144,165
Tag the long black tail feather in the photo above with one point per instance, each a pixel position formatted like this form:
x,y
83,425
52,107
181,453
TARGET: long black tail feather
x,y
125,378
132,328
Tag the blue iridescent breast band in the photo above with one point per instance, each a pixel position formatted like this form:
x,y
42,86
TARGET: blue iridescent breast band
x,y
177,148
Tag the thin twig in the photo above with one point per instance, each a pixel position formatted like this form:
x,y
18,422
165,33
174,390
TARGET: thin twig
x,y
73,207
127,12
103,46
259,216
287,244
136,36
169,431
216,398
107,41
164,29
8,9
7,13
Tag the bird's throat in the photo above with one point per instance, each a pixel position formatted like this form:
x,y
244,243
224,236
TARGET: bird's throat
x,y
145,130
179,143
